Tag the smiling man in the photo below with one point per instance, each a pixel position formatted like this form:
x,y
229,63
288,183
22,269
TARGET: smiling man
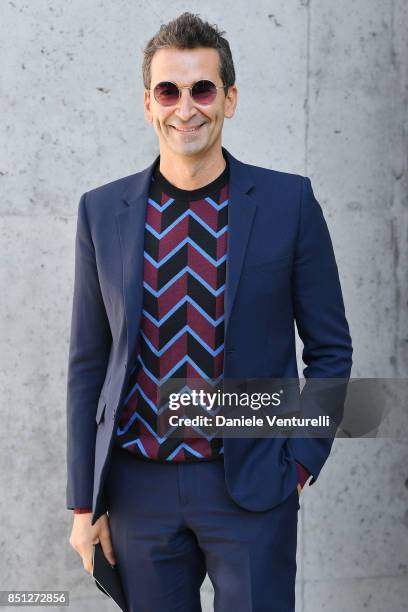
x,y
197,267
189,133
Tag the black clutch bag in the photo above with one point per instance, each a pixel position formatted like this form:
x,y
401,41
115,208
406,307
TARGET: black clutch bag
x,y
107,578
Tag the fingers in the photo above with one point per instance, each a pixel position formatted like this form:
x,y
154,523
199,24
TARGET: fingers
x,y
85,551
106,543
84,536
87,555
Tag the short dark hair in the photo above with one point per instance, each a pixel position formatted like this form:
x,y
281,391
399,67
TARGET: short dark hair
x,y
189,31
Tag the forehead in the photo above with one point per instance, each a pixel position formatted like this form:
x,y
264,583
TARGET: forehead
x,y
184,66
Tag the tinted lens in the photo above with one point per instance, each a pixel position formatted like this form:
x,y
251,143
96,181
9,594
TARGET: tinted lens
x,y
204,92
166,93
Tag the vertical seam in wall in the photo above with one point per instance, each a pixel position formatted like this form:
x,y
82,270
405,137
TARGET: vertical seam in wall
x,y
394,237
307,93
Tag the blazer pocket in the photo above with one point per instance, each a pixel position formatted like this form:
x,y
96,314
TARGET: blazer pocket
x,y
100,411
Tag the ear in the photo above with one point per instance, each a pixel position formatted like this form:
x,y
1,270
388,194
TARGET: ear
x,y
231,100
146,105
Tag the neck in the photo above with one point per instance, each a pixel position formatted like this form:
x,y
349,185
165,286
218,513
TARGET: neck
x,y
191,172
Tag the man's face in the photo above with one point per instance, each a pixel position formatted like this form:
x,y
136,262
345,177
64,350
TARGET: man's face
x,y
185,67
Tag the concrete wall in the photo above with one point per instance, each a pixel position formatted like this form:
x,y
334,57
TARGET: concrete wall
x,y
322,92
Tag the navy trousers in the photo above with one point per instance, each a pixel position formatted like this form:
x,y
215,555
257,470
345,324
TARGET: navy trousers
x,y
171,523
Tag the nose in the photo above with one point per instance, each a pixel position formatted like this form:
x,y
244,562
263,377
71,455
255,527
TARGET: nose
x,y
185,107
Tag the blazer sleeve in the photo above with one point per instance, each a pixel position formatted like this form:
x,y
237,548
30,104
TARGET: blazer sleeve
x,y
320,320
89,349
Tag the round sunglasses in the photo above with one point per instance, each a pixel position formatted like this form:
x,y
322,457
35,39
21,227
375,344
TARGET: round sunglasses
x,y
167,93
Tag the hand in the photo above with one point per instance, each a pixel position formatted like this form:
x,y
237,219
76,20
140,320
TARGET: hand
x,y
299,488
84,536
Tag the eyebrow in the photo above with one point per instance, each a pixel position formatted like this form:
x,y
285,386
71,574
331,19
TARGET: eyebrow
x,y
186,85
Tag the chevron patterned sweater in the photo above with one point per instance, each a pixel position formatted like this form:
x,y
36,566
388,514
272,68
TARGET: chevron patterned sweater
x,y
182,324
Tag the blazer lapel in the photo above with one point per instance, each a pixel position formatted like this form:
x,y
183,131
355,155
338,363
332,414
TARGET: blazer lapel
x,y
130,223
241,213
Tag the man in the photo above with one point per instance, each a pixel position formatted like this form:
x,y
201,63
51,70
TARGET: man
x,y
198,266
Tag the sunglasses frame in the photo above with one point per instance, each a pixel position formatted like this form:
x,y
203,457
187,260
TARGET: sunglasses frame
x,y
186,87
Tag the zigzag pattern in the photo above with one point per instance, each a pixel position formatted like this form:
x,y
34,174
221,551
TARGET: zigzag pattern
x,y
182,324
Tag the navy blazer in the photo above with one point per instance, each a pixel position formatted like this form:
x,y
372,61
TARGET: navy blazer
x,y
281,269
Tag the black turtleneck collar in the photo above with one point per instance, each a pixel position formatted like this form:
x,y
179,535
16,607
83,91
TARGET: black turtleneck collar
x,y
189,194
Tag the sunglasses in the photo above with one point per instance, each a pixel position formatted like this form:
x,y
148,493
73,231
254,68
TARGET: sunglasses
x,y
203,92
